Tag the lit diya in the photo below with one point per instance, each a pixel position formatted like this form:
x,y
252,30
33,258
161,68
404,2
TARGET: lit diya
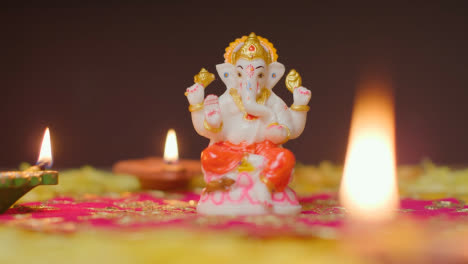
x,y
168,173
14,184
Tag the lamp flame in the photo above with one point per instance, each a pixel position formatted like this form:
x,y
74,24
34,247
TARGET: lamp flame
x,y
45,155
368,188
171,151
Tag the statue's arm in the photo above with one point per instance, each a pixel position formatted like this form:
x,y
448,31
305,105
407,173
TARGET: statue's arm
x,y
299,109
294,117
206,113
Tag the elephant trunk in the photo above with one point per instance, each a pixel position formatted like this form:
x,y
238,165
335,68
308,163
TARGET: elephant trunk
x,y
249,99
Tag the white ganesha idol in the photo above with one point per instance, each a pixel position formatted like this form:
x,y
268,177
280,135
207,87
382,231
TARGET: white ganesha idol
x,y
246,169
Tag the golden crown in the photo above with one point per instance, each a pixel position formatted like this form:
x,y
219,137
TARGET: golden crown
x,y
250,48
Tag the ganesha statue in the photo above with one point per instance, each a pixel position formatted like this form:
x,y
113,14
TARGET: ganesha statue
x,y
245,167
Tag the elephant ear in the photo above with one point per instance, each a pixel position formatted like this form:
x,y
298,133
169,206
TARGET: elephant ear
x,y
275,72
227,73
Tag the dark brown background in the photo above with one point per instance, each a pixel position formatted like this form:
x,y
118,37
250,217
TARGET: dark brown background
x,y
109,78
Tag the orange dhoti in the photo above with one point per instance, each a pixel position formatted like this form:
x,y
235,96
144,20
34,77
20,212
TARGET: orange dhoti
x,y
223,157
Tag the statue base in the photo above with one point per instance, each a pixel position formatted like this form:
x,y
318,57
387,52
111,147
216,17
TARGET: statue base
x,y
248,195
225,203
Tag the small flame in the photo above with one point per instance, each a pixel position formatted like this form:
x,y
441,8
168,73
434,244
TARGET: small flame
x,y
45,156
368,188
171,151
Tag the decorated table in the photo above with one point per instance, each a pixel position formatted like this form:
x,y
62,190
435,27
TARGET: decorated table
x,y
95,215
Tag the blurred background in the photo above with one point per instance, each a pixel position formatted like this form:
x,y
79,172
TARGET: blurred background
x,y
109,79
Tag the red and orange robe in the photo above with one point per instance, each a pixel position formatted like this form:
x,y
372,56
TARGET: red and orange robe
x,y
222,157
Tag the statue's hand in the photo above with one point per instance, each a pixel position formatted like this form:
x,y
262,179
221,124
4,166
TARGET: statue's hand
x,y
195,94
212,111
301,96
276,133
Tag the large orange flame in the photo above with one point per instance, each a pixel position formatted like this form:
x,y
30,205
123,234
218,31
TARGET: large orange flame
x,y
368,188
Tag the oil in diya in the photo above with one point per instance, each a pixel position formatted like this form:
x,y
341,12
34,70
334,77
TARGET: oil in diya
x,y
167,173
15,184
246,168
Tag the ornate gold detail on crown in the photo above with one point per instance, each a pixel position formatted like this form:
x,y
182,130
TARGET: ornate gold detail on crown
x,y
250,48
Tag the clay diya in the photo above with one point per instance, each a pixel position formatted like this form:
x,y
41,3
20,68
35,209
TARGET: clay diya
x,y
167,173
15,184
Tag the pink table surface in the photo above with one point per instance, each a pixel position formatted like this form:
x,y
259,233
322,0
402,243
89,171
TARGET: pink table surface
x,y
130,211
